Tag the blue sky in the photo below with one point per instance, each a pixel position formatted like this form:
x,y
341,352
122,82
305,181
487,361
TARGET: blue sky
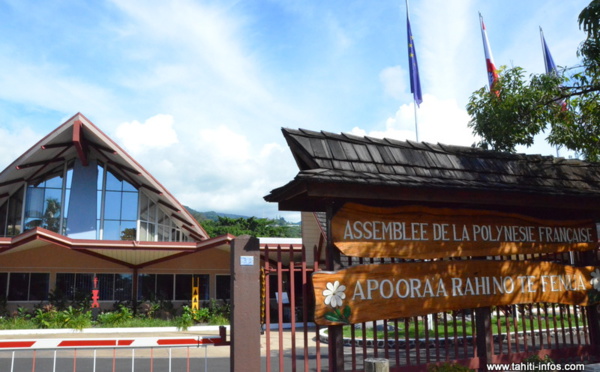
x,y
197,91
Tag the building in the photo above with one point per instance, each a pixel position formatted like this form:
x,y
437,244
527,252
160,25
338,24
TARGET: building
x,y
76,207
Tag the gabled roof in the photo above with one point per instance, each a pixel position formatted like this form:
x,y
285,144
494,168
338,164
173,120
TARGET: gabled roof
x,y
337,166
80,138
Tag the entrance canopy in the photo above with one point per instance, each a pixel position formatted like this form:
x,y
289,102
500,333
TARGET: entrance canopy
x,y
339,167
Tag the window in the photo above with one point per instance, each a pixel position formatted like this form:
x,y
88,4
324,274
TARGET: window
x,y
156,225
3,285
27,286
46,203
155,287
117,207
183,286
74,286
112,287
10,214
223,287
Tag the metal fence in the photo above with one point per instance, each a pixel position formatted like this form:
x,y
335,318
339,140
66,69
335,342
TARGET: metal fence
x,y
104,354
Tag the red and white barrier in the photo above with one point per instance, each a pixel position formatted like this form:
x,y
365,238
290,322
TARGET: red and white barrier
x,y
112,343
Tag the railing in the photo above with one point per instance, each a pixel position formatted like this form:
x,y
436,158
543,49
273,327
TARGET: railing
x,y
88,349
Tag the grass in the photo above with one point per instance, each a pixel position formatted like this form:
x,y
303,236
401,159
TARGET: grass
x,y
462,328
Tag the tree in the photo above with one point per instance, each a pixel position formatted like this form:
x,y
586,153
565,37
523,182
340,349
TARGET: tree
x,y
258,227
524,108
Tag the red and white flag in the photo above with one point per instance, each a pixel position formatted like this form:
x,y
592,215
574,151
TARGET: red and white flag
x,y
489,59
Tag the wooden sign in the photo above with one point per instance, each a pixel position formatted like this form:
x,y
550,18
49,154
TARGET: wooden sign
x,y
387,291
421,232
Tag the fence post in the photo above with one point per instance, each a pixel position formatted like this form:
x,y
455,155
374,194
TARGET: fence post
x,y
485,341
245,302
335,332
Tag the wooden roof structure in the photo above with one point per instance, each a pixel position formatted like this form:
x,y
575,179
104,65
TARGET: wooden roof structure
x,y
337,167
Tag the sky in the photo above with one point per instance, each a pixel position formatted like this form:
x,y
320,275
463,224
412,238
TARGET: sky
x,y
197,91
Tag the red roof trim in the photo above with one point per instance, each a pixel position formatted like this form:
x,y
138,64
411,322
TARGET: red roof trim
x,y
79,142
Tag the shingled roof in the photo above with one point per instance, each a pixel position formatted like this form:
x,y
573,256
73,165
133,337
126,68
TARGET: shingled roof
x,y
343,165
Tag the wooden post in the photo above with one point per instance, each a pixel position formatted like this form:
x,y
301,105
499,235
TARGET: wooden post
x,y
245,302
336,333
483,328
377,365
586,259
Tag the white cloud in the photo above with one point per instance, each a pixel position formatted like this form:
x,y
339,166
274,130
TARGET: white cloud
x,y
155,133
438,120
394,81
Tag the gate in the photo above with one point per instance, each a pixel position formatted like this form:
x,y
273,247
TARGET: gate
x,y
513,333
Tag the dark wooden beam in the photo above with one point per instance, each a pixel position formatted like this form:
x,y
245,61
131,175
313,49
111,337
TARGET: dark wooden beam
x,y
169,206
36,163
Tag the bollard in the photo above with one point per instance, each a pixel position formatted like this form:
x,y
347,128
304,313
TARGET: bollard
x,y
377,365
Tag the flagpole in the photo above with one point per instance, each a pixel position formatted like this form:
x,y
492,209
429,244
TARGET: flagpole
x,y
415,83
416,124
548,68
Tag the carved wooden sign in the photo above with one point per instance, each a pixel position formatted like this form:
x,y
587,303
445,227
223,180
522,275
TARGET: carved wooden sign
x,y
421,232
386,291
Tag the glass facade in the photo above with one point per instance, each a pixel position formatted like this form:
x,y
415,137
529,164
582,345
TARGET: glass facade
x,y
122,211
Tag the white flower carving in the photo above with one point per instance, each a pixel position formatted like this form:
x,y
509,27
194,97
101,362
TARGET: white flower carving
x,y
595,281
334,294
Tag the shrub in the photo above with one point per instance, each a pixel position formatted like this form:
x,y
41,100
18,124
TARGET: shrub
x,y
115,318
448,367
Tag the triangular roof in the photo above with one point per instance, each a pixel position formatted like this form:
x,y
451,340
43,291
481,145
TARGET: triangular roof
x,y
79,137
343,166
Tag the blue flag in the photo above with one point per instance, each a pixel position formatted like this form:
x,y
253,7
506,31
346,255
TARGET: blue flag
x,y
413,66
548,60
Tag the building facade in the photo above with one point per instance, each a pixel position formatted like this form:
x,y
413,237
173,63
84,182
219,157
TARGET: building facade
x,y
76,208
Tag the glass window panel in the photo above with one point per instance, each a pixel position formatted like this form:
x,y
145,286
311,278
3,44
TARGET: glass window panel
x,y
83,285
128,187
204,286
56,182
66,203
164,287
15,205
123,287
112,183
162,217
106,283
144,205
128,230
69,176
183,287
223,287
34,206
52,209
18,286
162,234
112,205
152,212
111,230
3,218
147,286
129,207
39,286
151,232
100,177
99,204
65,285
3,285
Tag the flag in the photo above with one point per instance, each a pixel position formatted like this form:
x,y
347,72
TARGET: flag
x,y
489,59
413,66
550,65
548,60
